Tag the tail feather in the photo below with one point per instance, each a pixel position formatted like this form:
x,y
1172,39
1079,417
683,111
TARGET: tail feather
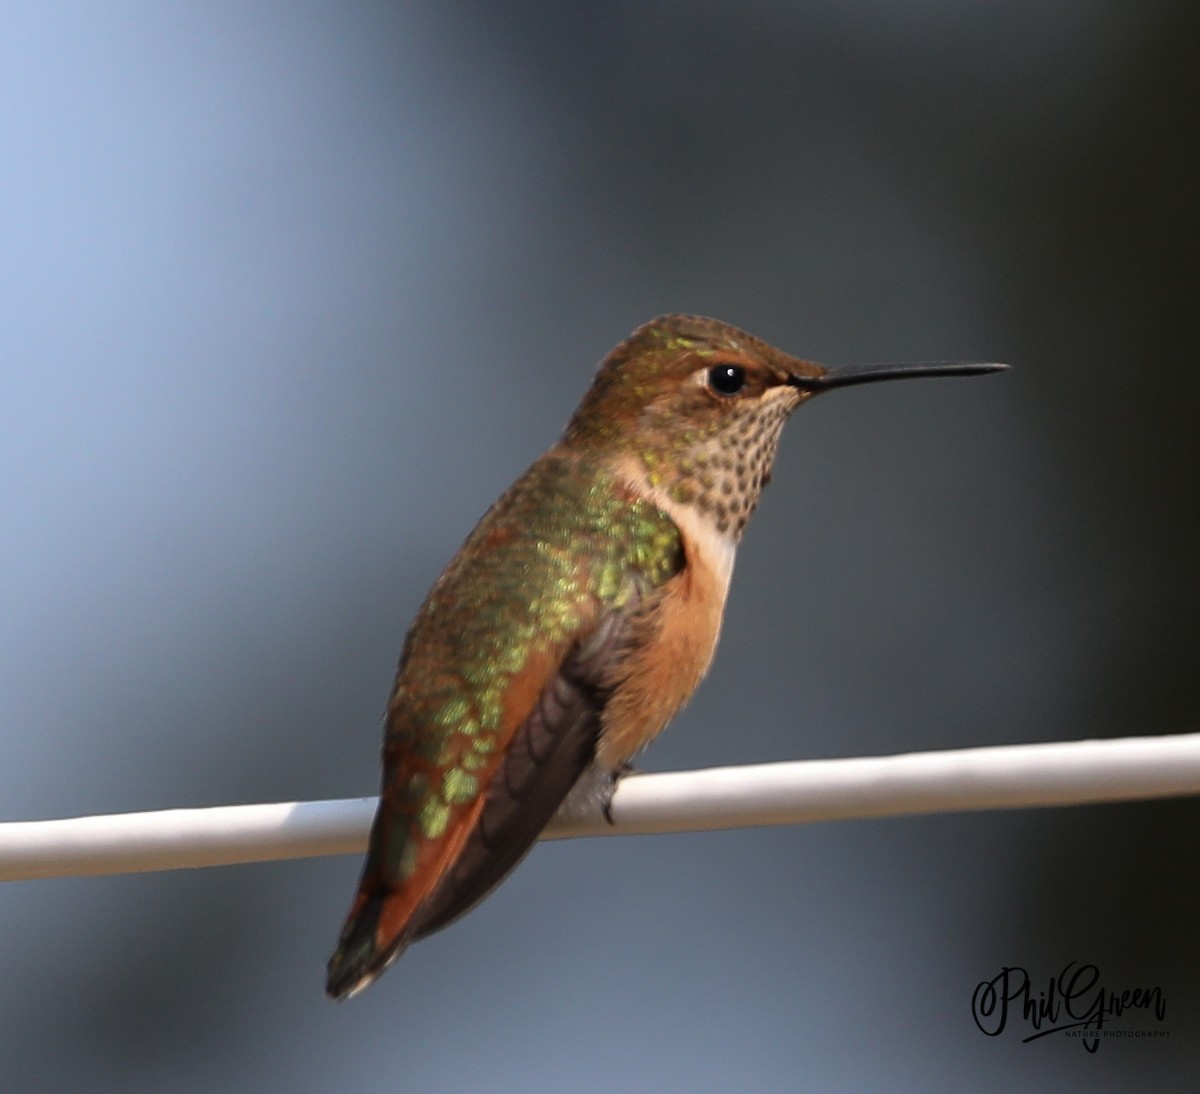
x,y
361,955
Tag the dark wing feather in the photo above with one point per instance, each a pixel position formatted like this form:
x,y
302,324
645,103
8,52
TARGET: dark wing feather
x,y
546,757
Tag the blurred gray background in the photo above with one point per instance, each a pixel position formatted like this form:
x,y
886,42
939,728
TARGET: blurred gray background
x,y
290,292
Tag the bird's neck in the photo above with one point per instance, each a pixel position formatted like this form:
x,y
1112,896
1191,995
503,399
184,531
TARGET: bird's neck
x,y
704,525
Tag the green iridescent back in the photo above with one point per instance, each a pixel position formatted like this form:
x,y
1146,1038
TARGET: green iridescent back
x,y
564,545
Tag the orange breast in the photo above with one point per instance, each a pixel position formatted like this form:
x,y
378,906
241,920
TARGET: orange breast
x,y
672,648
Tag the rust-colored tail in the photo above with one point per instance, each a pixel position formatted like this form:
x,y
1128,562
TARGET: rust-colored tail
x,y
361,953
389,910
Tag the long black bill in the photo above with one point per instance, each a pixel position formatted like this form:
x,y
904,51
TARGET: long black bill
x,y
843,375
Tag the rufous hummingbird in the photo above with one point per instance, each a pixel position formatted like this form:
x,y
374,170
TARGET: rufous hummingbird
x,y
575,621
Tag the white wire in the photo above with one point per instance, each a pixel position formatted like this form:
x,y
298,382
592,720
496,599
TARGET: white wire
x,y
1013,777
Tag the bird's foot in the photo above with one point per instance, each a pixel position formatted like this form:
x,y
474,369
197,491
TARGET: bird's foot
x,y
616,777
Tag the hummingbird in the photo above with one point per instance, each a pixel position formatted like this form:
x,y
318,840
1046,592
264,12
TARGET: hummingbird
x,y
575,621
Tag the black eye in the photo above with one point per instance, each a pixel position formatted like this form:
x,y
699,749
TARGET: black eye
x,y
727,379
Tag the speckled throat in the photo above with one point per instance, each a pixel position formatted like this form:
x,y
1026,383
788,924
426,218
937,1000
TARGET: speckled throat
x,y
722,475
